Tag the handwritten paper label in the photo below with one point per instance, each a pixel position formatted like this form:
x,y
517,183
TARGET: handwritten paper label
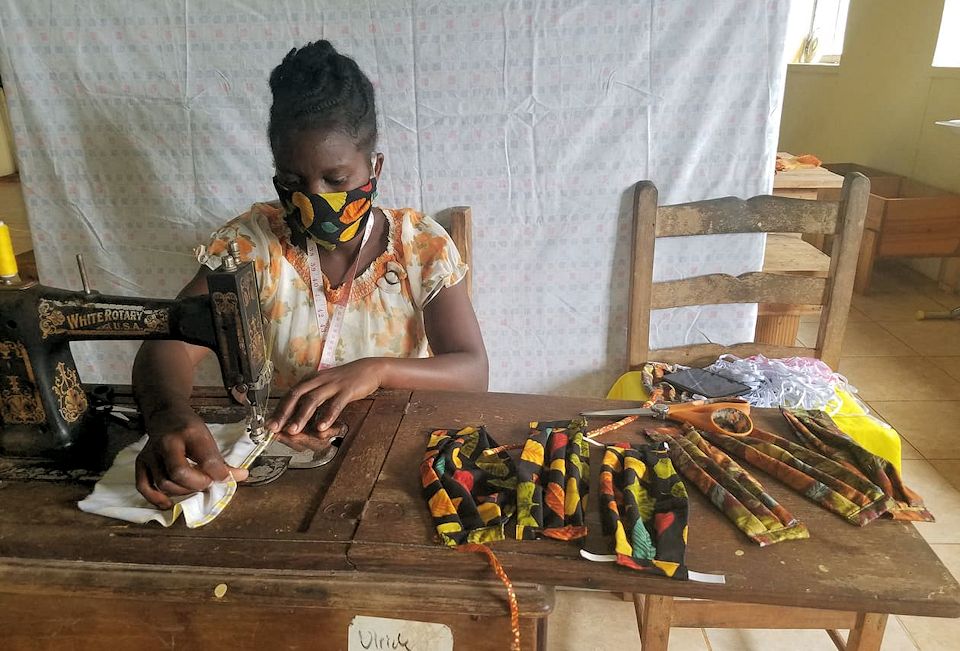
x,y
382,634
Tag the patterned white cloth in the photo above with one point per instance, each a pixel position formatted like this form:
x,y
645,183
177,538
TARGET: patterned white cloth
x,y
140,127
116,495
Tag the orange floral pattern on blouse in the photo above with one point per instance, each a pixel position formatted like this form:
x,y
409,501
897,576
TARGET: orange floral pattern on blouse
x,y
384,317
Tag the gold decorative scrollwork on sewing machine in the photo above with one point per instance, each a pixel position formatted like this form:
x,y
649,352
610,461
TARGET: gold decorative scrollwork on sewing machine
x,y
19,401
104,319
70,394
50,319
246,289
44,408
250,298
226,304
258,348
156,320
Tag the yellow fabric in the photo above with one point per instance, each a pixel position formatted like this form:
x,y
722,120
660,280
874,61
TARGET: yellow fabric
x,y
870,432
867,430
628,386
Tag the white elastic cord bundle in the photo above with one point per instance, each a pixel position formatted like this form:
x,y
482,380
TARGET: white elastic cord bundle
x,y
792,382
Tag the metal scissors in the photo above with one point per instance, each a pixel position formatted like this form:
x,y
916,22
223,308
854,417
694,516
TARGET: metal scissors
x,y
731,418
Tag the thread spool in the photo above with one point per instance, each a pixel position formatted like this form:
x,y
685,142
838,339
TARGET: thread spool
x,y
8,260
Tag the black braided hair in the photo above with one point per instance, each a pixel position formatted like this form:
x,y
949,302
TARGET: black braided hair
x,y
316,87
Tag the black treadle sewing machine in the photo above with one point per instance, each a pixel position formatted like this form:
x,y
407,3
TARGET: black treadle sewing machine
x,y
45,412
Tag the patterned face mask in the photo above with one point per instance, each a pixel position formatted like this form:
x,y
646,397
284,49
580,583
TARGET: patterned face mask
x,y
330,218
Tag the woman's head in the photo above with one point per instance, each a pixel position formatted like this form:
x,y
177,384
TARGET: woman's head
x,y
323,123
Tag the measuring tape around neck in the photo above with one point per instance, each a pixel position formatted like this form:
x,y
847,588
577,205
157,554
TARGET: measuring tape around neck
x,y
329,326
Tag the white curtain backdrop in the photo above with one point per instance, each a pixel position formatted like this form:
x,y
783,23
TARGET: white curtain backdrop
x,y
140,127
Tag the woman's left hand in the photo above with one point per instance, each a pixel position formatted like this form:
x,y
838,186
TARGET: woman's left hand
x,y
310,408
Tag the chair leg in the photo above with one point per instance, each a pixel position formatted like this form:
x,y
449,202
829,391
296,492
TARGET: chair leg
x,y
867,634
868,252
837,639
542,634
654,616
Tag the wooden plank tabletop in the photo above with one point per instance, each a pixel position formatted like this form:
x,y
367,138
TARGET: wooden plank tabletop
x,y
279,546
367,516
786,253
884,567
302,521
814,177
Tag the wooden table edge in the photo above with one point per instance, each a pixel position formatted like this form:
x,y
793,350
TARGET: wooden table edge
x,y
359,555
270,588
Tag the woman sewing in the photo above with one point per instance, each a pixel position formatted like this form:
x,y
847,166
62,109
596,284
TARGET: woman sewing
x,y
390,279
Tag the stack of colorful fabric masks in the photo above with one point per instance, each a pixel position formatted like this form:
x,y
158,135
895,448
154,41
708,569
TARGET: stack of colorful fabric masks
x,y
477,495
553,482
826,466
644,507
471,494
730,488
818,432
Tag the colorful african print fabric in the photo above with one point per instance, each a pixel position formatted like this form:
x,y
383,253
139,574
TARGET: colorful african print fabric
x,y
328,218
471,494
817,431
730,488
644,508
553,481
651,375
816,477
476,494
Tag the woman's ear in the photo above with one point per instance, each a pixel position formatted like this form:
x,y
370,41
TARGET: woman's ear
x,y
377,162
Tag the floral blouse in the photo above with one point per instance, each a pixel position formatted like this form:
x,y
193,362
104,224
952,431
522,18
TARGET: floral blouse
x,y
384,316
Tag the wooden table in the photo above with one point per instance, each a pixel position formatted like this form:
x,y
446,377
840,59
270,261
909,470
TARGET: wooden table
x,y
302,556
885,567
804,183
74,580
787,253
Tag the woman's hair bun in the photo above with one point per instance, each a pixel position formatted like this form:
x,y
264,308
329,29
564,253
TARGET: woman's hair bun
x,y
315,86
309,68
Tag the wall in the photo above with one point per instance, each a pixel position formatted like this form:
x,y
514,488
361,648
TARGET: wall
x,y
140,128
879,106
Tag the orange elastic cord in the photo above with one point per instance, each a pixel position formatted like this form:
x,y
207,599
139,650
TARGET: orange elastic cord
x,y
609,428
511,594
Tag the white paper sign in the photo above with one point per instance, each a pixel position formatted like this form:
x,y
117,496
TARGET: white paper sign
x,y
382,634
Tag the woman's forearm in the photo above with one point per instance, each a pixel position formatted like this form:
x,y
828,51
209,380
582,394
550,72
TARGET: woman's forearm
x,y
460,371
162,376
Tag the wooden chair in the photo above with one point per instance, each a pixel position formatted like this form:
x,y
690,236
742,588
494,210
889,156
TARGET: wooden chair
x,y
844,219
458,221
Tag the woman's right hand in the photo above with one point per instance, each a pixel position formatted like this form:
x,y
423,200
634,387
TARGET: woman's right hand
x,y
180,457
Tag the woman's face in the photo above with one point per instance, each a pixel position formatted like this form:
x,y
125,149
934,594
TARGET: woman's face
x,y
318,161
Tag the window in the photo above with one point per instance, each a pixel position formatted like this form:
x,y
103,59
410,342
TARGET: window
x,y
815,31
947,54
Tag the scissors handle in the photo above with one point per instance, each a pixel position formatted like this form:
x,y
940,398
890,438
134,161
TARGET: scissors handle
x,y
730,418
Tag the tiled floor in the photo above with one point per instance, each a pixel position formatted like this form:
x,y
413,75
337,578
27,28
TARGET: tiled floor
x,y
908,371
902,367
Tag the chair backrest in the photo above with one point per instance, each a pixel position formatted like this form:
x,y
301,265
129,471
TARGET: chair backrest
x,y
843,219
458,221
